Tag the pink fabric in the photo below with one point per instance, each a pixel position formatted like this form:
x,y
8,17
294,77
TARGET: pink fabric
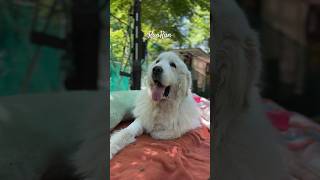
x,y
204,106
197,98
279,119
302,140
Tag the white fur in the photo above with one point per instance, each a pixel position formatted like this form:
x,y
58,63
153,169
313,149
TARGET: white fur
x,y
37,131
246,145
167,119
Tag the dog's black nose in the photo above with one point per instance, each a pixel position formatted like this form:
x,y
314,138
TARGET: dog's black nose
x,y
157,70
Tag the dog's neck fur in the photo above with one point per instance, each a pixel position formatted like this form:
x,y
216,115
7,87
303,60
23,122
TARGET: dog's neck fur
x,y
170,114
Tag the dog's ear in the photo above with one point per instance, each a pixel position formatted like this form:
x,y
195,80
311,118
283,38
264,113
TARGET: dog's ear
x,y
252,53
251,67
189,80
188,83
184,84
237,70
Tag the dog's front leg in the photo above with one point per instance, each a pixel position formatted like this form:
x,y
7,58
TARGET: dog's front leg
x,y
125,136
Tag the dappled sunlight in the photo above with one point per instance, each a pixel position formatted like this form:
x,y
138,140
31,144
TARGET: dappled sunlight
x,y
172,159
173,152
162,159
139,176
150,152
116,166
144,158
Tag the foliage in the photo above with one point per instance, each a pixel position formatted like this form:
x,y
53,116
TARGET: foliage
x,y
187,20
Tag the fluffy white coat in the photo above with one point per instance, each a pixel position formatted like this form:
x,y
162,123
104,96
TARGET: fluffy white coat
x,y
168,118
246,145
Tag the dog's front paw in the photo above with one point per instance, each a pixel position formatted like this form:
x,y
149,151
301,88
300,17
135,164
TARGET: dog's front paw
x,y
119,140
111,154
114,148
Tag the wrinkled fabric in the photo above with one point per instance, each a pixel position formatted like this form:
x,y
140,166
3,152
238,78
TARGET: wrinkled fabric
x,y
302,138
187,157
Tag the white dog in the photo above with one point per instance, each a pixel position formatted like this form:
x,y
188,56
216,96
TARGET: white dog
x,y
246,145
166,109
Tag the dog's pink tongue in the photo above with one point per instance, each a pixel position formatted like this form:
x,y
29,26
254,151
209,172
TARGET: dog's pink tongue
x,y
157,93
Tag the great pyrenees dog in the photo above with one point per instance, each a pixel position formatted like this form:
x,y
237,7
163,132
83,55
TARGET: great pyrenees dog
x,y
166,108
245,144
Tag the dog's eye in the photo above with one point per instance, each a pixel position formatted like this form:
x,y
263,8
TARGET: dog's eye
x,y
173,65
157,61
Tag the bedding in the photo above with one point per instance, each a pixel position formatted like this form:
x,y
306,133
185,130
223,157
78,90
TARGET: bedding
x,y
301,137
187,157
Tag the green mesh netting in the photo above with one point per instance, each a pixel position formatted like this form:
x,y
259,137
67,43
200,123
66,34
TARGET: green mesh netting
x,y
16,51
117,82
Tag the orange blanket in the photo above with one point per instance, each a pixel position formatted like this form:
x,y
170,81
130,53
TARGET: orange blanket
x,y
187,157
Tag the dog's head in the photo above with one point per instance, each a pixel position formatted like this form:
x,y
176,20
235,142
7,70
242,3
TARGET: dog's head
x,y
237,60
168,77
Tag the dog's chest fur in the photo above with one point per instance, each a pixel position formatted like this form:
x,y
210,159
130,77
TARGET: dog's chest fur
x,y
161,119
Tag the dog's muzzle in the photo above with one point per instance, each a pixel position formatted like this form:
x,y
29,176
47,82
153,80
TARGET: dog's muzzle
x,y
158,90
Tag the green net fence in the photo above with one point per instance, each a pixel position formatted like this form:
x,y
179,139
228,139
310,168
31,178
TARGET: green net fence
x,y
16,52
121,83
117,82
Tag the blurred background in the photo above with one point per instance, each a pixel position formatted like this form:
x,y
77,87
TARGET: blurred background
x,y
59,45
289,31
52,45
50,49
131,52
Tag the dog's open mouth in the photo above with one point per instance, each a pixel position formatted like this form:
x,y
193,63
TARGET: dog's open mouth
x,y
159,91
